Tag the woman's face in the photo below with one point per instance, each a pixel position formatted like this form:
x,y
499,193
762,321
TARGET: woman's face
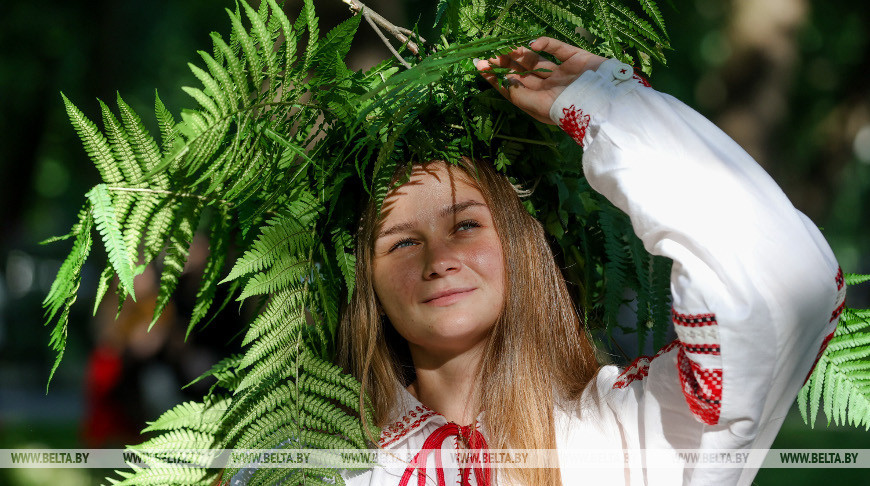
x,y
438,265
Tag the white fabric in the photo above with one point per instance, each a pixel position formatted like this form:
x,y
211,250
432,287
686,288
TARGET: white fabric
x,y
742,253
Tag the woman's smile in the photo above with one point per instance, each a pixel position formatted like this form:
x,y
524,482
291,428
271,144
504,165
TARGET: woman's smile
x,y
448,296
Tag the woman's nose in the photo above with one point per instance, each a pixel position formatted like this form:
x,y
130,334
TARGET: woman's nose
x,y
441,260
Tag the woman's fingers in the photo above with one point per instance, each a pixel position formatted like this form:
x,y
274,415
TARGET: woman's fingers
x,y
530,60
557,48
484,66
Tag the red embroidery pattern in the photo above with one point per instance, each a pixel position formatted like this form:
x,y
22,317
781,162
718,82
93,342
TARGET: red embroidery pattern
x,y
639,368
819,354
690,320
702,349
702,388
408,423
640,79
839,305
575,123
841,296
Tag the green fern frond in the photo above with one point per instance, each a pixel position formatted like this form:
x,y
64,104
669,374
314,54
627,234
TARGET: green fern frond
x,y
124,155
307,18
110,230
181,236
604,19
166,122
653,11
345,259
286,270
62,294
278,337
855,278
841,378
196,416
219,242
95,143
286,305
143,143
162,476
105,281
281,234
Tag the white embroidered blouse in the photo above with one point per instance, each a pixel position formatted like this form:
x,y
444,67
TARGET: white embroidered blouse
x,y
756,296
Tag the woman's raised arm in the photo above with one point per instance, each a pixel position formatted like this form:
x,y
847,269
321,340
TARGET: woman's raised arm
x,y
756,289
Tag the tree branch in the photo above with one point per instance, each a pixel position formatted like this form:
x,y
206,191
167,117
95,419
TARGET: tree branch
x,y
376,20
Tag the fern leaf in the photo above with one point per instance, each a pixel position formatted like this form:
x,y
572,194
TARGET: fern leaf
x,y
250,51
109,229
310,20
855,278
280,235
166,122
155,476
63,290
216,100
196,416
272,365
651,9
103,286
137,221
179,247
225,372
346,261
95,143
218,244
603,16
841,378
159,227
277,337
258,28
235,67
289,38
282,307
124,155
144,145
228,93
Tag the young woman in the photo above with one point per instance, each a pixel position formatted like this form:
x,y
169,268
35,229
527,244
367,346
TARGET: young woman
x,y
463,335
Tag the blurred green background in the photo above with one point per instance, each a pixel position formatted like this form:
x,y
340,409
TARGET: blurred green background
x,y
788,79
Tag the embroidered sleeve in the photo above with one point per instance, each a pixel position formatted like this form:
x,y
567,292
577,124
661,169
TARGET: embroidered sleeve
x,y
754,284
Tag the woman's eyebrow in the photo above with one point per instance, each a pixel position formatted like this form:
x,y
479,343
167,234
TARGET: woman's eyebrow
x,y
447,211
459,207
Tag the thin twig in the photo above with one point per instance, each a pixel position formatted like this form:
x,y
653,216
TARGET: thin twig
x,y
402,34
387,42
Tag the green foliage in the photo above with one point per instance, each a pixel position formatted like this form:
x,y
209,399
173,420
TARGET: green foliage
x,y
841,378
283,145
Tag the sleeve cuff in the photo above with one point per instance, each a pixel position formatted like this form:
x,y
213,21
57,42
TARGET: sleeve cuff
x,y
590,95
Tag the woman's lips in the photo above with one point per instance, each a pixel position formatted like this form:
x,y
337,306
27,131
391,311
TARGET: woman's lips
x,y
448,297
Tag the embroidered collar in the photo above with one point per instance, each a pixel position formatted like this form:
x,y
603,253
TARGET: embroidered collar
x,y
410,416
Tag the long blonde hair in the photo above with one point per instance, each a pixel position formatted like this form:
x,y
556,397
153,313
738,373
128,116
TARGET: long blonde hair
x,y
537,352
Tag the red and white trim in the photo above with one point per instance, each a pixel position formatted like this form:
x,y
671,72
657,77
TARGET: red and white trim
x,y
639,368
699,364
575,123
412,420
839,305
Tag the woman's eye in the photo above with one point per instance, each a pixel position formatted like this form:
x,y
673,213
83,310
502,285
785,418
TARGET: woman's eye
x,y
466,225
402,244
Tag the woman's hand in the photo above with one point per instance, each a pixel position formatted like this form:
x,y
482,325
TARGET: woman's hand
x,y
535,92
